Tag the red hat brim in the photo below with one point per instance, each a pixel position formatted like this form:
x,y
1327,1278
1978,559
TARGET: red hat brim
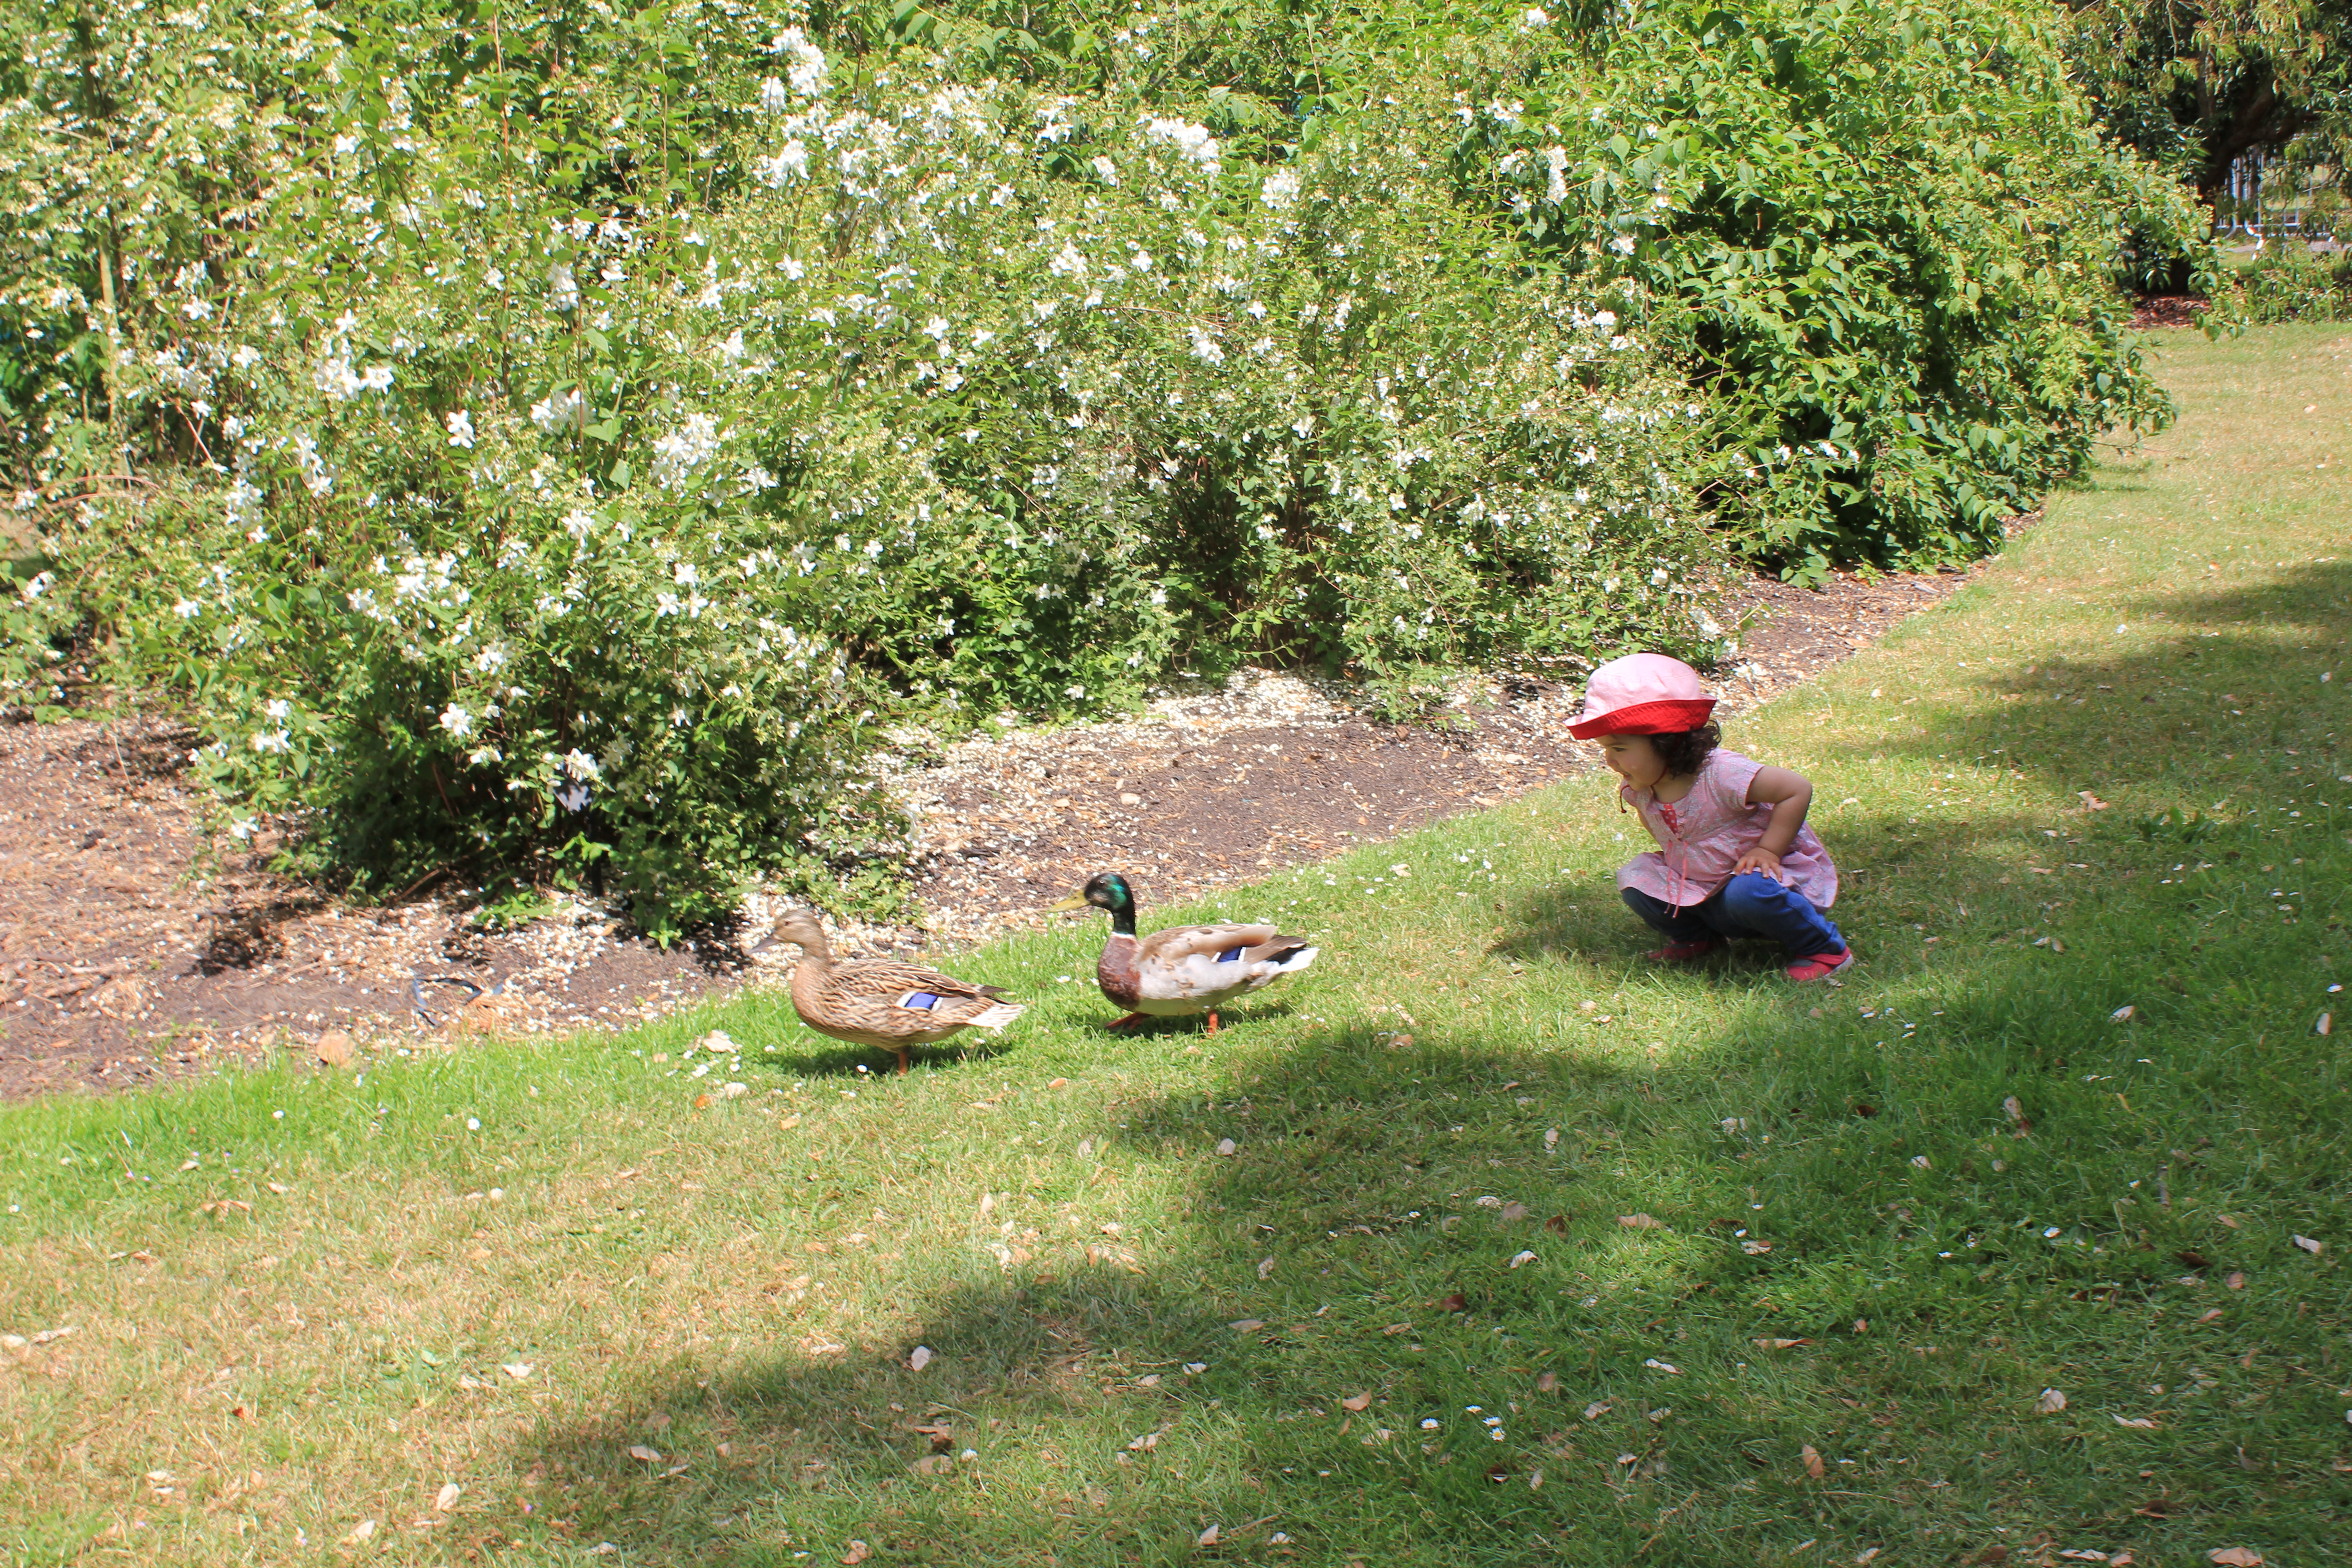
x,y
1667,716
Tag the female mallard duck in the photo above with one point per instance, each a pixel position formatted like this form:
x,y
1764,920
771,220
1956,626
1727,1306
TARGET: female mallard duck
x,y
877,1002
1185,969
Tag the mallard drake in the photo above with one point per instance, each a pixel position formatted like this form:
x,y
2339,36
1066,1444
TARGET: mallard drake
x,y
1185,969
879,1001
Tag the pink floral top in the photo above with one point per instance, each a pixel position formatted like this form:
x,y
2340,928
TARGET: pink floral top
x,y
1702,836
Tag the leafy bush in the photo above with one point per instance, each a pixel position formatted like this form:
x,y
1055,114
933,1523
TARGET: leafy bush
x,y
576,433
2291,283
1888,242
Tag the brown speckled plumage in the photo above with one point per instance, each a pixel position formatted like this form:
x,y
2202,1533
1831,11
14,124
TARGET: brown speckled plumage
x,y
862,1000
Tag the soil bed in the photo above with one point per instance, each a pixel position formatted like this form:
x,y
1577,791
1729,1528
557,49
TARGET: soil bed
x,y
128,955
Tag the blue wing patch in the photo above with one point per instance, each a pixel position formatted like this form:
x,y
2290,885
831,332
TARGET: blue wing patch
x,y
1231,954
919,999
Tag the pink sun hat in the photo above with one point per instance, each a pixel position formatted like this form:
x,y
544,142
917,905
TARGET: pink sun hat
x,y
1643,694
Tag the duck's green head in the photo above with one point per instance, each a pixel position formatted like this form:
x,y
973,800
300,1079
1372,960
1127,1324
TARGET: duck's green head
x,y
1106,891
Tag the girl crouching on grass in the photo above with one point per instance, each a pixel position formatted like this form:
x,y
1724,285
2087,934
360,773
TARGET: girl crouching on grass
x,y
1734,855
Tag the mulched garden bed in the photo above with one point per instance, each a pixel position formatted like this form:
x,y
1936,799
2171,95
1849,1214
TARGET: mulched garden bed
x,y
132,950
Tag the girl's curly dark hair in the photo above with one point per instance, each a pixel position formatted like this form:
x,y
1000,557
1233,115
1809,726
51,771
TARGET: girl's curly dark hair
x,y
1685,753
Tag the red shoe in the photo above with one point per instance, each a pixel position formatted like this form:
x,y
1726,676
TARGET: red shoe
x,y
1686,951
1821,966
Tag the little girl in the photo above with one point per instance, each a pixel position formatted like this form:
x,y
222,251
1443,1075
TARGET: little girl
x,y
1734,856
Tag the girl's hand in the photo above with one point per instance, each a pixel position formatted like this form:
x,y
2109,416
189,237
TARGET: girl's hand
x,y
1760,859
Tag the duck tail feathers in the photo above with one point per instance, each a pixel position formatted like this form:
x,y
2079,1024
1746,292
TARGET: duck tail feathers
x,y
999,1015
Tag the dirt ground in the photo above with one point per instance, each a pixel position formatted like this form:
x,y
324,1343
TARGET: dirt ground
x,y
133,949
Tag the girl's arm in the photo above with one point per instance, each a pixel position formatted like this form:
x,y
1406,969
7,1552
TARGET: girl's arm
x,y
1789,796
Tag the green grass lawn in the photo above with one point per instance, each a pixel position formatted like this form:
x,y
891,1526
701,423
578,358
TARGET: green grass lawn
x,y
1405,1319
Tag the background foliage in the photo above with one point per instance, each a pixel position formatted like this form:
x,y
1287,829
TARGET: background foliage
x,y
559,437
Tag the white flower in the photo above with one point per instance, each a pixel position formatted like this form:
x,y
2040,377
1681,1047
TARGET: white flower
x,y
684,449
772,96
562,288
1204,347
1533,18
277,708
579,524
684,574
272,741
1604,320
581,765
456,720
1279,190
482,754
1107,170
1622,245
461,429
778,171
1194,141
805,67
187,609
561,410
316,477
1556,176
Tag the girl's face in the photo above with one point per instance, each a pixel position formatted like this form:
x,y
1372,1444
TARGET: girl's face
x,y
1633,759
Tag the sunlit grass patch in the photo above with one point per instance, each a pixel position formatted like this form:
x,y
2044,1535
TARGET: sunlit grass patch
x,y
1665,1230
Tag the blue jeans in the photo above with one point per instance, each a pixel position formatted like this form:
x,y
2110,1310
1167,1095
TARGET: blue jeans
x,y
1750,904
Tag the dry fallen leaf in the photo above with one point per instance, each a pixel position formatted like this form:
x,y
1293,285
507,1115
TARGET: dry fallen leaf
x,y
1523,1258
1865,1554
1547,1382
1248,1325
518,1370
858,1552
2208,1315
639,1451
1208,1537
1780,1344
1457,1302
2139,1420
2327,1023
2122,1014
2235,1557
1357,1402
2235,1281
1514,1212
447,1497
1551,1136
1595,1411
1224,1146
1265,1268
361,1533
1813,1466
2313,1248
2228,1219
2050,1404
920,1358
1556,1224
1639,1222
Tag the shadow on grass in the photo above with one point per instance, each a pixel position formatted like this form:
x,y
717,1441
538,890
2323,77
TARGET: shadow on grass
x,y
1868,1226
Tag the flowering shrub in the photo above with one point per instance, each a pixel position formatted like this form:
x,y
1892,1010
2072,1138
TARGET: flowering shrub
x,y
558,440
1889,243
